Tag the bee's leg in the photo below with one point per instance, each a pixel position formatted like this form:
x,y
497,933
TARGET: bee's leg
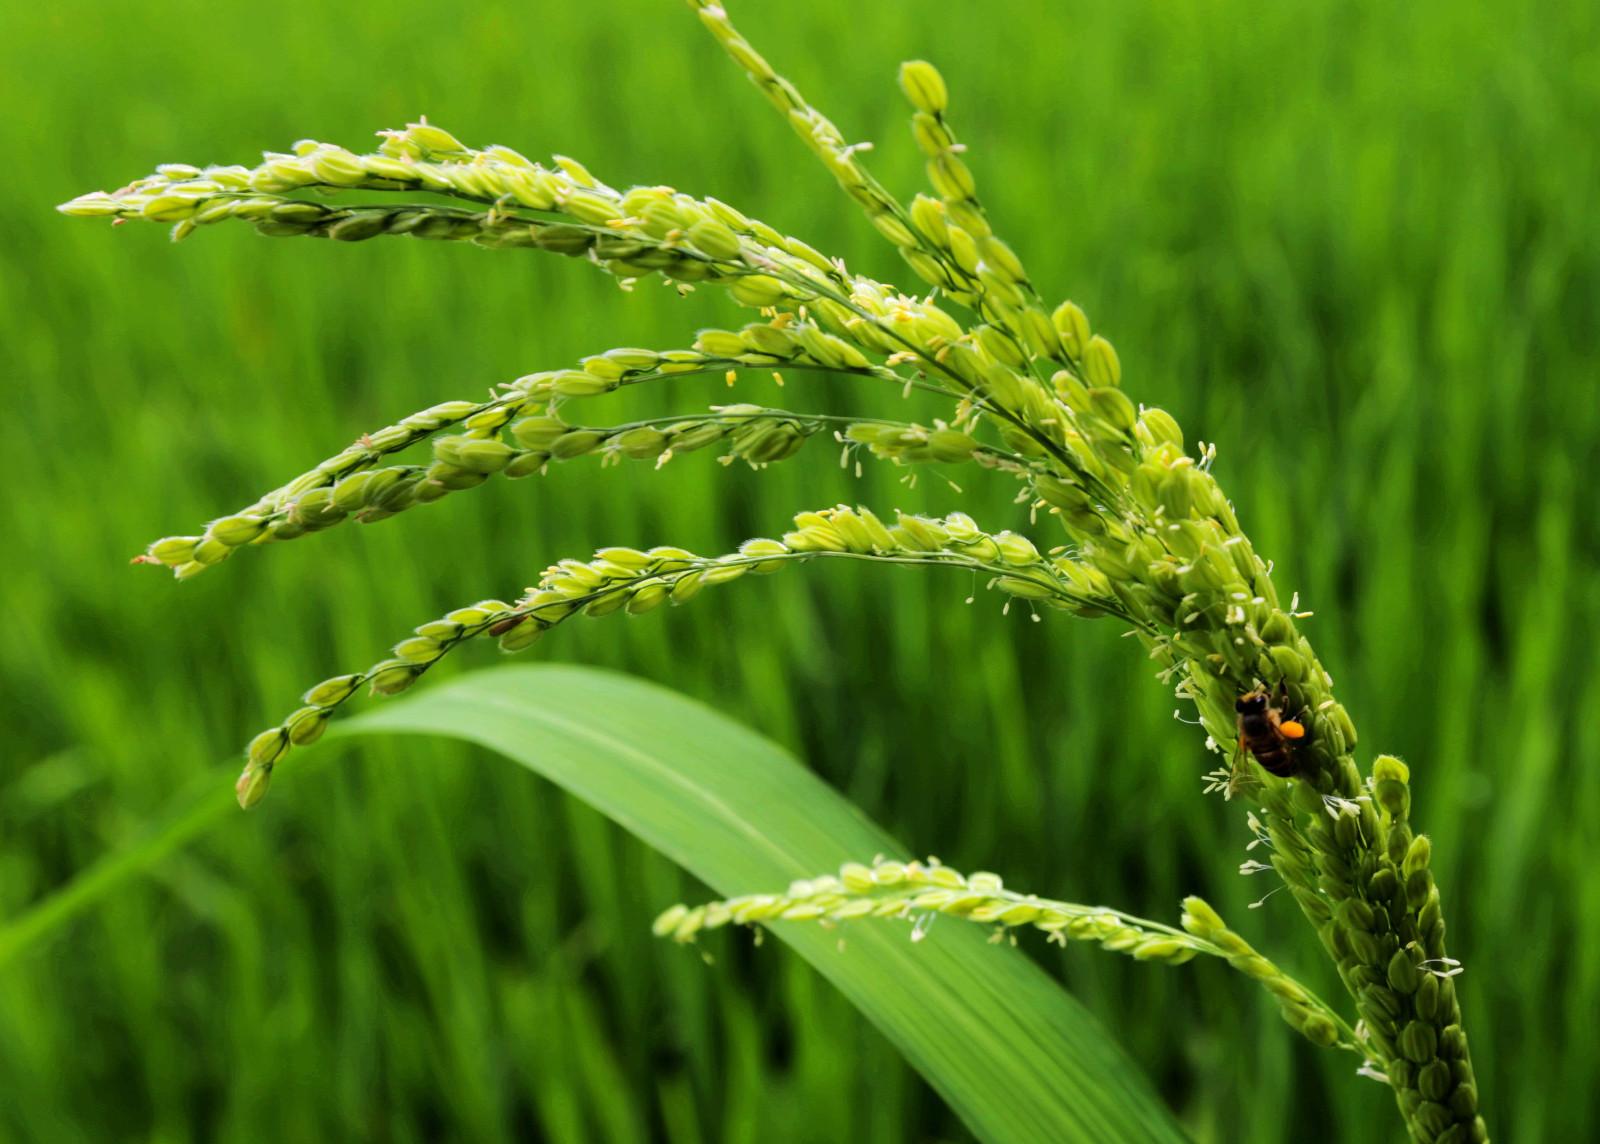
x,y
1241,780
1282,703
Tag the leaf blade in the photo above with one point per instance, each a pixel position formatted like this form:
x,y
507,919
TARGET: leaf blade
x,y
1014,1055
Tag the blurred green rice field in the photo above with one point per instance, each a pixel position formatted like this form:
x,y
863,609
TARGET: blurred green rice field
x,y
1354,244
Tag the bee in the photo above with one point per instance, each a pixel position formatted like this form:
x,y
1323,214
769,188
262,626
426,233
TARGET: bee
x,y
1266,734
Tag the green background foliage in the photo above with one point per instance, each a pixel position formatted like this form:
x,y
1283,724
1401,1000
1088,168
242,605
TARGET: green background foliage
x,y
1353,243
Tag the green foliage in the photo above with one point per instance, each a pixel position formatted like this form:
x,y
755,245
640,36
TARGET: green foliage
x,y
1013,1054
1264,246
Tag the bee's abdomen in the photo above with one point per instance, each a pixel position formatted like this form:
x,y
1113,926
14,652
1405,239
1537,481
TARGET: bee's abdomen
x,y
1262,739
1277,758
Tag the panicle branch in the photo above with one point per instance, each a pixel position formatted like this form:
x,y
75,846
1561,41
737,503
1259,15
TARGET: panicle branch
x,y
919,892
347,486
634,581
649,229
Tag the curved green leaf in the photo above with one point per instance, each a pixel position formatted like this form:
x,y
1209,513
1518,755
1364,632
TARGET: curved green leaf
x,y
1013,1053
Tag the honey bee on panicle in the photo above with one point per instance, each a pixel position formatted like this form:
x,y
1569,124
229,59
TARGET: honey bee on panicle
x,y
1266,734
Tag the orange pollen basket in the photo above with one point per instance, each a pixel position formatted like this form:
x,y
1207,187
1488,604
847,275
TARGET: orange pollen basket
x,y
1289,729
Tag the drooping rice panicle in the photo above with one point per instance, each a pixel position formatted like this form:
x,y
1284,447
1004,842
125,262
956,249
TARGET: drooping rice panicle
x,y
1151,537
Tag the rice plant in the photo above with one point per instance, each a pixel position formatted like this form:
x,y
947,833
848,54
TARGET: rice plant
x,y
1130,524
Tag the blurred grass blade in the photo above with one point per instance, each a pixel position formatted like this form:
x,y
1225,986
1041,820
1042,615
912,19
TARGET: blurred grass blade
x,y
192,813
1012,1052
203,803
